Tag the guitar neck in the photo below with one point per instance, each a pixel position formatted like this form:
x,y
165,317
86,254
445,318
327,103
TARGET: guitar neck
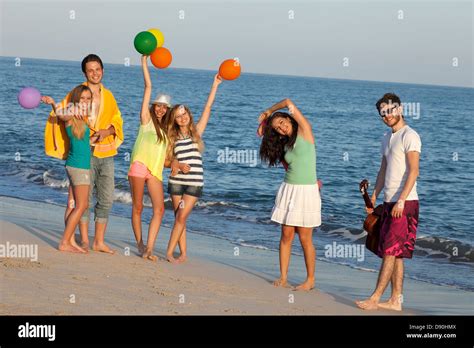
x,y
368,202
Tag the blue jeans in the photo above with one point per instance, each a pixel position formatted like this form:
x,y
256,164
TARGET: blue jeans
x,y
102,179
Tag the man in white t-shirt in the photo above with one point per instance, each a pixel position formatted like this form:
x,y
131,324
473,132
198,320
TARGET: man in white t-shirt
x,y
401,148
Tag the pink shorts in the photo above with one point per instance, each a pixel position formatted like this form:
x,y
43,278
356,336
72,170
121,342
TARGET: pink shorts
x,y
138,169
398,235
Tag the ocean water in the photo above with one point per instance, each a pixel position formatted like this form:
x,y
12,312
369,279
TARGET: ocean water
x,y
238,197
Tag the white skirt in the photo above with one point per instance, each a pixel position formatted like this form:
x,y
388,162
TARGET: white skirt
x,y
297,205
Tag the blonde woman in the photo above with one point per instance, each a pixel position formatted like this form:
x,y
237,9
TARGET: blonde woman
x,y
77,162
147,162
186,186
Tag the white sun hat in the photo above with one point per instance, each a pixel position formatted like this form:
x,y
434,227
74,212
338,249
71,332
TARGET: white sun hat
x,y
162,99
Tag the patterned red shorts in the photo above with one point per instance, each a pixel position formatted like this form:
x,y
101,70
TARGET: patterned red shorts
x,y
398,235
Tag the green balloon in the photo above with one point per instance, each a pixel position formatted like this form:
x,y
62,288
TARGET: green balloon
x,y
145,42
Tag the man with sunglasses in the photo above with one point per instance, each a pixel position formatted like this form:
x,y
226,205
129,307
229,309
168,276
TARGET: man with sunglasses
x,y
401,148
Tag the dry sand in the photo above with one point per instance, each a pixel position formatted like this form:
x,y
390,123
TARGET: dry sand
x,y
60,283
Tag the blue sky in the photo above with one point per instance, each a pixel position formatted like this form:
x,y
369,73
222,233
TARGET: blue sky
x,y
428,42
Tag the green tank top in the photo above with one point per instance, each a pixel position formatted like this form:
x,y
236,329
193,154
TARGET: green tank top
x,y
149,151
79,155
301,161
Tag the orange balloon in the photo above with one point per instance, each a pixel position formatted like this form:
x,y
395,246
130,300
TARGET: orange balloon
x,y
161,57
229,69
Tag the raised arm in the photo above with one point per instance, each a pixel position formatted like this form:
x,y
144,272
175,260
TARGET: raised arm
x,y
202,123
50,101
145,112
303,124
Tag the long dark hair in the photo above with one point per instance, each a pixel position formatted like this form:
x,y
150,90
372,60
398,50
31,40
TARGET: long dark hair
x,y
161,127
274,145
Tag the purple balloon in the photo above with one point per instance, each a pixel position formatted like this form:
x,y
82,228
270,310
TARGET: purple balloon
x,y
29,97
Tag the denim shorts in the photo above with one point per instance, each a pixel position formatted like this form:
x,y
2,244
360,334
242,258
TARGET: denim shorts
x,y
179,190
78,176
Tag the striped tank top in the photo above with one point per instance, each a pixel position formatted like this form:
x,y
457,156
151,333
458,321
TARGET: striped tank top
x,y
186,151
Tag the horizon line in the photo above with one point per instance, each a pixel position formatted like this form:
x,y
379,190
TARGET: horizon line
x,y
268,74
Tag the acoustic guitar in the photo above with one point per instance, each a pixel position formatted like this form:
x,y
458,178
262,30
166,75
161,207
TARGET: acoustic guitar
x,y
372,222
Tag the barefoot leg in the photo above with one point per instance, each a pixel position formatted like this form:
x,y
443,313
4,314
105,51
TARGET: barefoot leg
x,y
85,246
306,239
69,248
75,245
286,240
182,247
396,299
176,199
368,304
84,222
84,231
148,255
99,244
80,193
385,275
155,189
69,209
70,203
141,247
281,282
180,222
137,188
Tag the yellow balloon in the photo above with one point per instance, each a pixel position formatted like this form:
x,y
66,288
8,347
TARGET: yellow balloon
x,y
158,35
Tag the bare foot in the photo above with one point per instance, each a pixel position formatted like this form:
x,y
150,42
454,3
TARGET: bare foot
x,y
75,245
182,258
141,248
102,247
148,255
81,250
281,282
85,245
306,286
70,248
369,304
391,305
171,259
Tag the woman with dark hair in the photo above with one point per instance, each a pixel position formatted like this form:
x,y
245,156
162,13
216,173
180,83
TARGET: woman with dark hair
x,y
147,162
288,139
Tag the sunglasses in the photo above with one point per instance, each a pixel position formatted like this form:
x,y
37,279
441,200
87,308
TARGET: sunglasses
x,y
387,112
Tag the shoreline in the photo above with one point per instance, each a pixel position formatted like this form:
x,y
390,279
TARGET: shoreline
x,y
212,282
72,284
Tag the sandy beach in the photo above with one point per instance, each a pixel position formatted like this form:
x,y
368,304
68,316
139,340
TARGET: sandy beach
x,y
66,284
57,283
